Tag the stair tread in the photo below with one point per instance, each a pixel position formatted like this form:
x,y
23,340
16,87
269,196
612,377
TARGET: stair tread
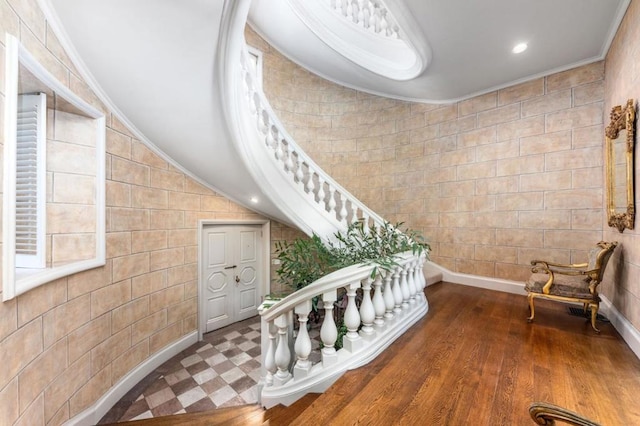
x,y
242,415
280,413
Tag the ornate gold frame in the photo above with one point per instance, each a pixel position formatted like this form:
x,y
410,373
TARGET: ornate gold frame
x,y
621,119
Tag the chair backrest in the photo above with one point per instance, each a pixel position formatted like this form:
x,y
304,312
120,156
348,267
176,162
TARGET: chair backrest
x,y
599,256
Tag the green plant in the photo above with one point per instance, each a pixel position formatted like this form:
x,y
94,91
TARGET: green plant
x,y
305,260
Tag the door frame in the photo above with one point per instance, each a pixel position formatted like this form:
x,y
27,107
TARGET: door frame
x,y
264,287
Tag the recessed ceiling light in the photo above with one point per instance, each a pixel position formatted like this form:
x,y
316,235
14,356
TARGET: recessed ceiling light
x,y
254,200
519,48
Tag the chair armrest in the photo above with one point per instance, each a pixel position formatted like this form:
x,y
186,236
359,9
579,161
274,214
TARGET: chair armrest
x,y
546,414
560,265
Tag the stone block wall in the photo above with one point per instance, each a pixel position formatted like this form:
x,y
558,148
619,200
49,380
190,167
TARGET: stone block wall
x,y
492,181
622,82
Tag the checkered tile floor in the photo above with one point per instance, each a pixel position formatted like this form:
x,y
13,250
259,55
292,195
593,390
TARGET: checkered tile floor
x,y
221,371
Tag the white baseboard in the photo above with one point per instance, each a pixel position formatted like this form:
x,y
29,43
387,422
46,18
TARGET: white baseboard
x,y
92,414
628,332
497,284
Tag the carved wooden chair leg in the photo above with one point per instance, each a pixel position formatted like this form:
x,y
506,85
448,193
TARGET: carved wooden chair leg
x,y
594,316
531,308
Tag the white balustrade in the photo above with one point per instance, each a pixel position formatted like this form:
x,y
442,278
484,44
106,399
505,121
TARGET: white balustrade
x,y
372,322
370,15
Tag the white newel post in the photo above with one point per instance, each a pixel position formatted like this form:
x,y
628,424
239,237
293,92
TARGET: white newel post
x,y
303,342
329,331
404,287
282,355
367,312
397,292
352,341
389,300
378,301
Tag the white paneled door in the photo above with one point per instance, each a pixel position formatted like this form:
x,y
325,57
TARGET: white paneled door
x,y
231,268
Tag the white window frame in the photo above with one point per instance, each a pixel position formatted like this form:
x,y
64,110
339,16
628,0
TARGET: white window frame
x,y
20,280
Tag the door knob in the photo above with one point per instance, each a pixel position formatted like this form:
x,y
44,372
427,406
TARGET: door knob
x,y
237,279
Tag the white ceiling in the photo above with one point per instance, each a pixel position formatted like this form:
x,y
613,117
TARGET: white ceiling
x,y
470,43
154,62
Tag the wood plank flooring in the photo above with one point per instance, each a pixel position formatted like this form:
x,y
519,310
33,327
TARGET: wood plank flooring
x,y
474,360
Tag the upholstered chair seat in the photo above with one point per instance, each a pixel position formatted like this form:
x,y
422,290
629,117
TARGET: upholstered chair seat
x,y
576,283
563,285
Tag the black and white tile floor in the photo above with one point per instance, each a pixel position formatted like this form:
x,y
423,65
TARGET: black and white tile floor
x,y
221,371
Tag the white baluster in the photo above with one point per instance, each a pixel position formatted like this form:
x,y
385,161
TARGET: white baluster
x,y
321,193
269,358
278,148
404,287
397,291
378,301
352,341
309,186
329,331
423,281
387,295
302,346
269,140
342,214
282,355
299,174
360,14
288,162
411,266
331,204
354,213
367,311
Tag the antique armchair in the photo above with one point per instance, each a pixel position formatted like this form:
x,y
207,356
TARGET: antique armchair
x,y
570,283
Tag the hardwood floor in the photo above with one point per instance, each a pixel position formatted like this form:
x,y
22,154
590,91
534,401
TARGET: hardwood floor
x,y
474,360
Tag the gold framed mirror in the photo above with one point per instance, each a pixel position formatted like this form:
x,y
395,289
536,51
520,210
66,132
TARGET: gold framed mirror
x,y
619,136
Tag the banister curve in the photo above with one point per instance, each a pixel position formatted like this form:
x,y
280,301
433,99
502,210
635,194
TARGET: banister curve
x,y
334,280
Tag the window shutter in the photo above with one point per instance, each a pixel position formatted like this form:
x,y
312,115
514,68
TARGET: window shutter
x,y
31,181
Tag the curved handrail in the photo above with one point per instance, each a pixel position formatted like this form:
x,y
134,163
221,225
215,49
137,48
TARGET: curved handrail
x,y
332,281
294,164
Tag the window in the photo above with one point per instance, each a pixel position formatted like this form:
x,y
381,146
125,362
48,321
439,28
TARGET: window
x,y
53,179
31,180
